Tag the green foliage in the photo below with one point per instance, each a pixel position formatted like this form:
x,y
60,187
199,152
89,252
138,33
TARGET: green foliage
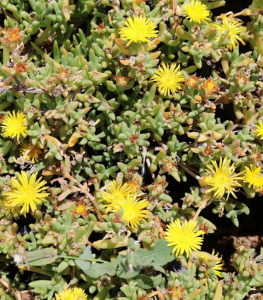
x,y
94,115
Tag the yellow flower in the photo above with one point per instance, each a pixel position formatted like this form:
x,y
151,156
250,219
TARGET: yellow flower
x,y
168,80
72,294
134,210
254,177
115,194
31,152
233,29
185,237
217,268
80,209
138,29
14,125
222,179
197,12
210,86
26,193
259,130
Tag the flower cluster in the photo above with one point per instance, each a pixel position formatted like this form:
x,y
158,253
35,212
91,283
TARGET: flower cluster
x,y
127,128
121,197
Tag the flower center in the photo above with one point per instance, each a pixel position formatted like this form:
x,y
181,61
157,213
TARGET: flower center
x,y
80,209
18,127
195,15
192,82
221,179
129,215
210,86
137,35
27,194
184,240
118,197
168,80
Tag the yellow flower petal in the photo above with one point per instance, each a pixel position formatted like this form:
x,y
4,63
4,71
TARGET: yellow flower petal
x,y
14,125
222,179
232,28
72,294
134,210
138,29
168,80
197,12
26,194
254,177
259,130
184,237
115,194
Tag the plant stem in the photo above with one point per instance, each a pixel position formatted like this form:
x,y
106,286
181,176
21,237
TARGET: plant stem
x,y
84,191
37,270
202,206
79,258
97,3
197,177
198,212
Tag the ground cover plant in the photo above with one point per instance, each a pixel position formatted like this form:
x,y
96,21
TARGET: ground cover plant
x,y
106,109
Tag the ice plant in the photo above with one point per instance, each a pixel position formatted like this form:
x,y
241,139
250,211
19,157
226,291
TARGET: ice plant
x,y
26,192
138,29
168,79
72,294
31,152
232,28
176,292
185,237
20,67
192,81
134,211
222,178
133,186
115,194
81,209
210,86
197,12
217,267
14,125
259,130
13,35
254,177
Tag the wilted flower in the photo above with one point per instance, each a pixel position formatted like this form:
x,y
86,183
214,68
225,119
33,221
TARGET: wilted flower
x,y
32,152
13,35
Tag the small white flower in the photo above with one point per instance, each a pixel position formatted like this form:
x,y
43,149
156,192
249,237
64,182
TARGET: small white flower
x,y
17,259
